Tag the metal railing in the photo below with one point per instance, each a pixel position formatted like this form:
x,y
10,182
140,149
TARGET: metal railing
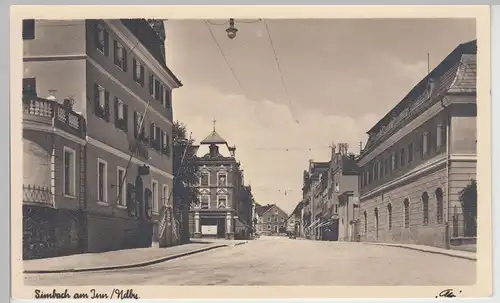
x,y
37,195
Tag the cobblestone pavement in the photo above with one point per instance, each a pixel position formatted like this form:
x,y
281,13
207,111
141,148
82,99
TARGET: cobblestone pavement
x,y
283,261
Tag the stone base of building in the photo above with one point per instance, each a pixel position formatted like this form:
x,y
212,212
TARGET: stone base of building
x,y
49,232
229,236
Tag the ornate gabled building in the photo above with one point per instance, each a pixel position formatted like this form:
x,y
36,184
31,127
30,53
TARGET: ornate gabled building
x,y
419,158
222,209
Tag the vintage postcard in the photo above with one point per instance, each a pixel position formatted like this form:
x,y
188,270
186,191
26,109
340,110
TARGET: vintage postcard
x,y
242,151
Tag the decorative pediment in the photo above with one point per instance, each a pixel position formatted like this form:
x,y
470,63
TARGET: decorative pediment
x,y
222,191
204,191
204,169
222,169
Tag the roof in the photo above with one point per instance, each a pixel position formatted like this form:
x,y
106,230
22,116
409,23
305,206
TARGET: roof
x,y
213,138
456,73
349,166
260,210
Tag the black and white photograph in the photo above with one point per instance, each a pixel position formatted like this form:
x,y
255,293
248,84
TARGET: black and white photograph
x,y
242,149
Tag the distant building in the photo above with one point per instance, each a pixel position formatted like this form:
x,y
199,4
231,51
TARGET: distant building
x,y
272,220
224,207
312,205
419,158
345,196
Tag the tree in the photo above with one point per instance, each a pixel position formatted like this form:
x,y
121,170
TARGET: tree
x,y
468,199
185,175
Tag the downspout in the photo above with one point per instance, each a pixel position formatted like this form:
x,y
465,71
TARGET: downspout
x,y
447,210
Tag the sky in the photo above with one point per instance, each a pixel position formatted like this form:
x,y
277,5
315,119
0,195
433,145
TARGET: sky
x,y
342,77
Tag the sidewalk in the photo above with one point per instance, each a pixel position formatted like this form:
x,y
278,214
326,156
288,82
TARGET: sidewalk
x,y
127,258
430,249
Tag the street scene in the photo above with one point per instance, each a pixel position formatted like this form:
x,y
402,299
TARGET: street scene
x,y
262,262
249,152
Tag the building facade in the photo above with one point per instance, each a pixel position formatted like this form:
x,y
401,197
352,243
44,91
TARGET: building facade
x,y
115,73
223,209
53,175
345,196
311,214
272,220
420,157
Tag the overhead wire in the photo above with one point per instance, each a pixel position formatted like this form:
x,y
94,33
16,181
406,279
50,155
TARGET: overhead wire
x,y
280,72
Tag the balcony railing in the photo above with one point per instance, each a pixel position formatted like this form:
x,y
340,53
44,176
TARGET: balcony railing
x,y
37,195
56,114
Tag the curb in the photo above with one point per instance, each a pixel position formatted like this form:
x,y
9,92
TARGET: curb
x,y
126,266
449,254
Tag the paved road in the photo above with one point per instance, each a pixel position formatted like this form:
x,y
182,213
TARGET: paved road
x,y
282,261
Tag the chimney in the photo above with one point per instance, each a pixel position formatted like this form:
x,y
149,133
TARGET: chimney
x,y
214,150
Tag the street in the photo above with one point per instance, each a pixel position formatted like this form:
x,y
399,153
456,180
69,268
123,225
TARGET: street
x,y
283,261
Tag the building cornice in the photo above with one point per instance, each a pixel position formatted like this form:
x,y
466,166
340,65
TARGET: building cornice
x,y
143,53
402,132
128,90
54,130
126,157
463,157
414,173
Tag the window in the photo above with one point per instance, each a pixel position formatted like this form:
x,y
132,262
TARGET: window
x,y
205,201
155,136
154,86
154,191
28,29
120,55
121,114
138,72
402,157
101,104
166,144
101,39
440,135
69,172
282,219
221,179
410,153
366,221
393,161
165,194
380,169
275,228
269,227
406,206
425,208
276,219
439,204
389,214
167,98
204,179
102,181
268,219
221,202
139,122
425,147
121,186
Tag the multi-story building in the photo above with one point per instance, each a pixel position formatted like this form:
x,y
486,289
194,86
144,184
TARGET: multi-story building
x,y
311,180
272,220
345,206
223,206
116,74
53,175
419,158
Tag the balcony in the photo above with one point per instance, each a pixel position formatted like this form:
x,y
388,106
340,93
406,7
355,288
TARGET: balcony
x,y
37,195
139,149
50,112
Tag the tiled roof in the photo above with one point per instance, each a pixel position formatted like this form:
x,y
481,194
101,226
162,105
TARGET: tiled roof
x,y
213,138
456,73
262,209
